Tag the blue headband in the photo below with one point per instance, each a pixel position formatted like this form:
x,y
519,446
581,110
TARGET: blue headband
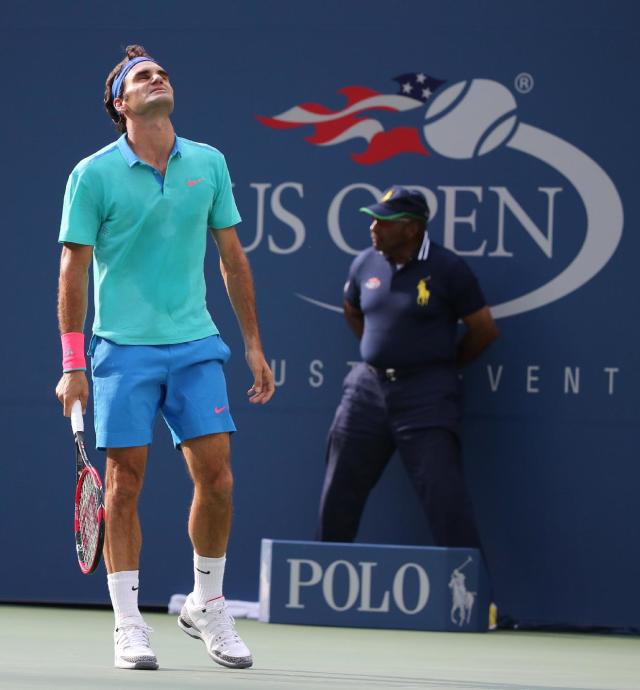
x,y
116,87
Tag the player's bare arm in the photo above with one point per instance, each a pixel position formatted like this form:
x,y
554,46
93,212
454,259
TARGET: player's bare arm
x,y
481,332
72,311
354,317
236,274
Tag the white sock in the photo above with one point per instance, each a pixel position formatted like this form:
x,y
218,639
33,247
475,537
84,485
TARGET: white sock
x,y
208,575
123,589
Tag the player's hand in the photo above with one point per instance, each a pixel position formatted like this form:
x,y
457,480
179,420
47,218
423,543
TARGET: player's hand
x,y
263,387
71,387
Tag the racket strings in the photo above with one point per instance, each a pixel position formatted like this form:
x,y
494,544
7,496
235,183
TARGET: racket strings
x,y
88,519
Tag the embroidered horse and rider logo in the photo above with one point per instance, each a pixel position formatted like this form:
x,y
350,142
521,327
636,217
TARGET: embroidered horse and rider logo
x,y
423,292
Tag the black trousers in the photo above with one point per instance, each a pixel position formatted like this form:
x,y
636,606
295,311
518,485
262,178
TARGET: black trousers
x,y
376,417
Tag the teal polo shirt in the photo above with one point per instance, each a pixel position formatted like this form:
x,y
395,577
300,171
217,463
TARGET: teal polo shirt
x,y
149,235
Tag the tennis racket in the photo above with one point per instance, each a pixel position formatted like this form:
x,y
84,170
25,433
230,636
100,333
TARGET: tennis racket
x,y
88,521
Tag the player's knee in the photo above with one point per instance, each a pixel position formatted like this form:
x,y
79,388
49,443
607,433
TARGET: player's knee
x,y
218,485
123,485
223,484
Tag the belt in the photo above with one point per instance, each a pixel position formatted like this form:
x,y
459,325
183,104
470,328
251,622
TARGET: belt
x,y
394,373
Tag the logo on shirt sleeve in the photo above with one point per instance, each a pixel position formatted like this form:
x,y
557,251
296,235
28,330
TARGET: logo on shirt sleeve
x,y
373,283
423,292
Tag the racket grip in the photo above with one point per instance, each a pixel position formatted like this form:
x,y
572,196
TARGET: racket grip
x,y
77,422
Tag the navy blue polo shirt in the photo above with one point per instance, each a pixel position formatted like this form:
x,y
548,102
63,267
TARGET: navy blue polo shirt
x,y
411,313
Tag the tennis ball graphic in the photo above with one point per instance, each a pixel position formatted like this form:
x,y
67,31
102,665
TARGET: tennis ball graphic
x,y
470,119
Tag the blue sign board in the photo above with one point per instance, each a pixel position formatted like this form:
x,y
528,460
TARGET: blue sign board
x,y
373,586
513,118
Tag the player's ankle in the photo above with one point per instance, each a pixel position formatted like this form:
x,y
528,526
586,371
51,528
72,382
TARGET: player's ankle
x,y
135,619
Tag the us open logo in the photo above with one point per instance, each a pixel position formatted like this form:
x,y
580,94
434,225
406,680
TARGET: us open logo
x,y
464,121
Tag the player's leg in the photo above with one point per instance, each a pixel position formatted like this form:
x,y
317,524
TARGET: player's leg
x,y
123,538
208,461
433,461
124,476
196,409
204,615
358,449
127,392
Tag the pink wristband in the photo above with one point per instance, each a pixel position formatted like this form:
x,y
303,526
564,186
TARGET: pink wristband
x,y
73,352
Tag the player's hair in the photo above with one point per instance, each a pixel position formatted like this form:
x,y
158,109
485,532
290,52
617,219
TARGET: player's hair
x,y
131,52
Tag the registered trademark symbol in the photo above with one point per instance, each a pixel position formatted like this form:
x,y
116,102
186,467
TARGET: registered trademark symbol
x,y
524,82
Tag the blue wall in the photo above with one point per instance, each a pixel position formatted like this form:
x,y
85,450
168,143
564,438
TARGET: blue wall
x,y
552,466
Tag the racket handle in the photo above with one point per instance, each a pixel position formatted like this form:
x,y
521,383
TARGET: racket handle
x,y
77,422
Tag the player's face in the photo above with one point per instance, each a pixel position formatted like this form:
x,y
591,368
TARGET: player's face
x,y
389,236
147,89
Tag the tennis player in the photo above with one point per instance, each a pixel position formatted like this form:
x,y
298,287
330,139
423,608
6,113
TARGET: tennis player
x,y
140,208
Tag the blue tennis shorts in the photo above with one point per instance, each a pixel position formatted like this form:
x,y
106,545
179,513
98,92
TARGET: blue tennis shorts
x,y
185,382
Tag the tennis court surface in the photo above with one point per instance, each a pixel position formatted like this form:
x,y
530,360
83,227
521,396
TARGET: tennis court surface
x,y
48,647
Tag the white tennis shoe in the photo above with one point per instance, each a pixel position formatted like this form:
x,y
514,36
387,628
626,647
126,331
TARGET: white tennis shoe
x,y
131,647
213,625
